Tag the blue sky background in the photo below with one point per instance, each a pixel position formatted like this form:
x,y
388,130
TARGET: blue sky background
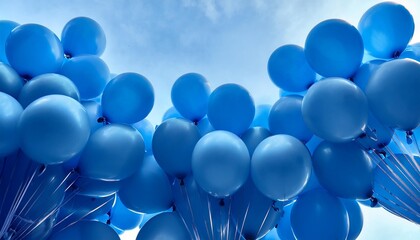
x,y
226,41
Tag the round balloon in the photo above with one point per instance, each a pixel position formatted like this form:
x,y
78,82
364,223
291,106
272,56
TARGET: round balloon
x,y
171,113
94,111
123,218
147,130
365,72
412,51
261,116
127,98
53,129
335,109
10,81
95,187
254,136
86,230
168,225
334,48
6,27
10,112
355,218
220,163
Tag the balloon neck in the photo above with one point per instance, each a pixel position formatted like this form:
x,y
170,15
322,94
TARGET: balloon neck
x,y
26,78
195,122
103,120
396,54
380,153
222,202
373,201
67,55
409,136
181,182
275,208
174,208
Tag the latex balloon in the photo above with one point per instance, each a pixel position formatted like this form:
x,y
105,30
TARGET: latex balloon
x,y
220,163
386,29
315,212
254,136
398,81
171,113
127,98
47,84
32,50
147,130
344,169
286,118
355,218
204,126
10,112
83,35
280,167
94,111
173,155
365,72
335,109
95,187
261,116
377,134
334,48
123,218
86,230
167,226
289,69
53,129
89,73
153,191
284,229
113,152
231,108
412,51
190,95
5,28
10,81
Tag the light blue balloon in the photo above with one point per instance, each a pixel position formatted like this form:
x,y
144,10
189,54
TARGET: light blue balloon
x,y
254,136
10,81
231,108
113,152
280,167
334,48
172,154
10,112
147,130
171,113
365,72
32,50
220,163
204,126
286,118
148,190
6,28
317,215
355,218
412,51
386,29
53,129
289,69
89,73
335,109
261,116
94,111
344,169
393,94
83,35
47,84
123,218
190,95
127,98
86,230
168,226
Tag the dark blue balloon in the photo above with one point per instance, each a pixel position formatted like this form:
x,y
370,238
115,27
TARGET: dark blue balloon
x,y
86,230
386,29
261,116
6,28
334,48
10,82
344,169
412,51
94,111
355,218
190,95
335,109
10,112
284,228
231,108
167,226
127,98
47,84
89,73
254,136
123,218
147,130
289,69
32,49
319,215
83,35
365,72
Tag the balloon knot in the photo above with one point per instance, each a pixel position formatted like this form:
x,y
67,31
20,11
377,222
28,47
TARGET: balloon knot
x,y
67,55
409,136
26,77
41,169
174,208
396,54
274,207
181,182
373,201
380,153
195,122
277,225
222,202
102,120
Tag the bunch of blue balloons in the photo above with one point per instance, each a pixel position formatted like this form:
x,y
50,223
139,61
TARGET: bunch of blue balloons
x,y
79,159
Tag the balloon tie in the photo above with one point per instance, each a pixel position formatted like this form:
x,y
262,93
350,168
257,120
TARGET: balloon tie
x,y
396,54
373,201
102,120
67,55
409,136
274,207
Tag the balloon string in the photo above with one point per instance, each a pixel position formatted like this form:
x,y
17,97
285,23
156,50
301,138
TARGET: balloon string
x,y
185,224
194,225
265,219
221,221
416,143
244,220
205,219
228,220
403,148
394,212
65,202
210,216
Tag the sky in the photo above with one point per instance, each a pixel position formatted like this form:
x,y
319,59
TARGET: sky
x,y
227,41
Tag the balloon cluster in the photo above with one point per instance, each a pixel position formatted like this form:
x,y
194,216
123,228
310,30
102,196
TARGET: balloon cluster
x,y
79,159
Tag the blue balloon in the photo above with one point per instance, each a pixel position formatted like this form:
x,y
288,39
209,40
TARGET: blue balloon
x,y
280,167
128,98
231,108
220,163
412,51
148,190
334,48
386,29
147,130
95,187
313,143
94,111
254,136
89,73
355,218
319,215
167,226
53,129
204,126
10,81
377,134
365,72
171,113
289,69
190,95
83,35
10,112
113,152
86,230
32,50
286,118
6,28
123,218
284,229
174,156
261,116
344,169
335,109
40,229
47,84
393,94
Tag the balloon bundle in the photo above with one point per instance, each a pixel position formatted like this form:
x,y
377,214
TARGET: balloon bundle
x,y
79,159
